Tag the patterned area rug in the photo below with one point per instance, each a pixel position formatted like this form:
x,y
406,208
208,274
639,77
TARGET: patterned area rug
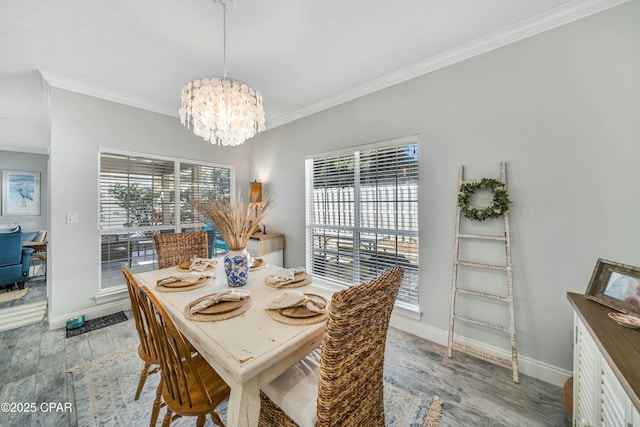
x,y
104,390
99,323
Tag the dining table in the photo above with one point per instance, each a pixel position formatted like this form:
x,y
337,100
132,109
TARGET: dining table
x,y
251,349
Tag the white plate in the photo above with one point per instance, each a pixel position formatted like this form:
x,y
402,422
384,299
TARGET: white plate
x,y
625,320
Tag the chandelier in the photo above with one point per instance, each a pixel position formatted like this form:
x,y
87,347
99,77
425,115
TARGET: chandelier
x,y
223,111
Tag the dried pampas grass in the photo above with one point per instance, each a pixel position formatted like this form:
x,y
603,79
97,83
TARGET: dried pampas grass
x,y
235,220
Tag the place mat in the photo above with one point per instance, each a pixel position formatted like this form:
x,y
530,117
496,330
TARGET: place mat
x,y
182,286
299,315
258,264
300,279
278,317
227,310
98,323
184,268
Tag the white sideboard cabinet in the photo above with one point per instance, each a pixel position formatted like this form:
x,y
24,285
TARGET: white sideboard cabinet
x,y
606,368
269,246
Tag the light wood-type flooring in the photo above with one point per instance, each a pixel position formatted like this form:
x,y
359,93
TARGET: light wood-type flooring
x,y
33,361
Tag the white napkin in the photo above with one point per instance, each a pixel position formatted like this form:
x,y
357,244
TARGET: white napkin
x,y
183,277
283,276
201,264
226,295
297,299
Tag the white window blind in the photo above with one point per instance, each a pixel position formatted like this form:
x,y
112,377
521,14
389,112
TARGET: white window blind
x,y
199,182
362,215
138,200
135,191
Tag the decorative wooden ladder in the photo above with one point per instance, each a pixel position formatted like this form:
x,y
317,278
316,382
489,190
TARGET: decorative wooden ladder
x,y
455,290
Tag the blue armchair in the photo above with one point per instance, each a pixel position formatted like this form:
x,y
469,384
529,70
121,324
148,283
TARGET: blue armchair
x,y
14,259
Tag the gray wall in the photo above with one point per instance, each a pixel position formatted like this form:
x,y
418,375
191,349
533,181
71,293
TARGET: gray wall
x,y
561,108
15,161
79,126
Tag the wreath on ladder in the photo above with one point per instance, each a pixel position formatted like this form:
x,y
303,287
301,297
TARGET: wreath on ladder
x,y
498,207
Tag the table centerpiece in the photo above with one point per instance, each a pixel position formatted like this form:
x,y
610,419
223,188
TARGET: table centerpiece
x,y
236,221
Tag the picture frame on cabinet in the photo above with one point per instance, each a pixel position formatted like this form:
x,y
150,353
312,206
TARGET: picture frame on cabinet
x,y
615,285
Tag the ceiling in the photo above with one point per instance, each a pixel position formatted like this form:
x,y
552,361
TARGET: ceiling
x,y
304,55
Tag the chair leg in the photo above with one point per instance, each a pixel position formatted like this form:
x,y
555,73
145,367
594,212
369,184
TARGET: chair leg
x,y
201,420
215,417
156,404
167,418
143,377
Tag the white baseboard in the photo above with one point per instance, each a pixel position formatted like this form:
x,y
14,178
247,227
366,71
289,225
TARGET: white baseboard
x,y
527,366
91,313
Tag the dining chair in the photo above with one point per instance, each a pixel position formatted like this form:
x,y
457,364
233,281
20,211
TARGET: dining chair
x,y
176,248
146,348
189,386
341,383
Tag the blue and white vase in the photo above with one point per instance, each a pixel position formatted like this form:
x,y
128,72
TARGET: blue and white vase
x,y
236,266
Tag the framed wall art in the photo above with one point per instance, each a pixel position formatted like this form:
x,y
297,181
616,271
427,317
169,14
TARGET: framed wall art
x,y
20,193
616,285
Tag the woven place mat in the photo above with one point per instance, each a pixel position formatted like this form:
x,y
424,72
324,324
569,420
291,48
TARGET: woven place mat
x,y
182,286
257,264
221,311
298,316
186,270
300,279
184,267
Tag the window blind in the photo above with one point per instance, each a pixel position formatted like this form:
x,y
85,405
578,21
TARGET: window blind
x,y
135,192
362,215
200,182
138,200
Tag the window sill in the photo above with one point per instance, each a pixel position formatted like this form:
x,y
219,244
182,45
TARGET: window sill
x,y
408,311
116,293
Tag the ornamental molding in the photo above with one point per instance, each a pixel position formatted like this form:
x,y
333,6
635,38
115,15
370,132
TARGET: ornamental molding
x,y
565,14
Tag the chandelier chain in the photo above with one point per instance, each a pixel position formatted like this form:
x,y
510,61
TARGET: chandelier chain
x,y
224,37
222,110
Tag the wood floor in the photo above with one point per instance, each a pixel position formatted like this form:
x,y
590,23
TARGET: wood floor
x,y
475,393
33,361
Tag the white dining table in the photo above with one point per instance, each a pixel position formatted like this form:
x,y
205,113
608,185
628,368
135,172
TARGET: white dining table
x,y
250,350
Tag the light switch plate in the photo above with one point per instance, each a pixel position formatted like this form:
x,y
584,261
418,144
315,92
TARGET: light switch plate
x,y
72,217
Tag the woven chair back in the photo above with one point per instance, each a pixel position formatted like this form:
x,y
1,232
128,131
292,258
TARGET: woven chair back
x,y
147,349
182,381
350,388
176,248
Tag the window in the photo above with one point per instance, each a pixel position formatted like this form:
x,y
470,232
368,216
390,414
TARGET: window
x,y
144,195
362,214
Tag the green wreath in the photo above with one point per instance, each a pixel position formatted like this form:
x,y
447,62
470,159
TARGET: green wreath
x,y
498,207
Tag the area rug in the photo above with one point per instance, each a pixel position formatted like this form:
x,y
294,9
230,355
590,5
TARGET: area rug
x,y
13,294
104,390
99,323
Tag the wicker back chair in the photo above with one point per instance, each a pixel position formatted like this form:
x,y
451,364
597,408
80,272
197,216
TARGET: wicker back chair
x,y
176,248
189,385
349,376
146,349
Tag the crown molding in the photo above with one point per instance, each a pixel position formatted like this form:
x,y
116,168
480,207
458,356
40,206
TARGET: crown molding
x,y
572,11
540,23
66,83
32,149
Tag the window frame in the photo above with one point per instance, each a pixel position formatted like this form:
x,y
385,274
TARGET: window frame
x,y
357,228
177,227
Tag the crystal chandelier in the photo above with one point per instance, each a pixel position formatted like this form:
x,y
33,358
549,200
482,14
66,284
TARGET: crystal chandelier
x,y
223,111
